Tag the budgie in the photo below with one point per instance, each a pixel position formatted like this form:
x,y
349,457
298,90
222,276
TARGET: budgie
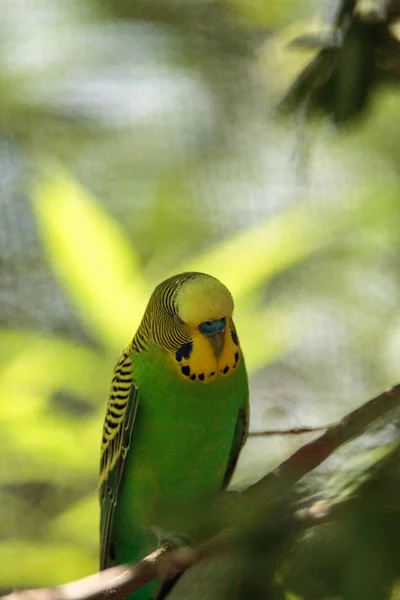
x,y
176,420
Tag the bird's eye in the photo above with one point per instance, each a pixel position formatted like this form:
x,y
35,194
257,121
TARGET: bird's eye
x,y
178,320
210,327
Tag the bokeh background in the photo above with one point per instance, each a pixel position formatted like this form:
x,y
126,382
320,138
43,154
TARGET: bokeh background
x,y
139,139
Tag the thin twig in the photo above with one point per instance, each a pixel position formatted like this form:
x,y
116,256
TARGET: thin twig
x,y
311,455
293,431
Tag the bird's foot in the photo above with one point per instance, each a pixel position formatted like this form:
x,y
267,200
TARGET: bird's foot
x,y
170,539
173,565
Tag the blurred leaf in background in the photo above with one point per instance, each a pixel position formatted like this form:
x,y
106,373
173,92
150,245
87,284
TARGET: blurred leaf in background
x,y
139,139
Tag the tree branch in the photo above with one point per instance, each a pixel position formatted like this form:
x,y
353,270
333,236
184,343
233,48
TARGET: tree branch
x,y
114,584
311,455
118,582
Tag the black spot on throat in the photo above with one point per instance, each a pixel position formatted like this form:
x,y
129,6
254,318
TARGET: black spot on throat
x,y
236,358
201,376
234,337
185,370
193,377
225,370
184,351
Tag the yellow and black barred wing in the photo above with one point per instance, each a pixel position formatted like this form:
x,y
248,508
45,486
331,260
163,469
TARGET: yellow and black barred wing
x,y
117,432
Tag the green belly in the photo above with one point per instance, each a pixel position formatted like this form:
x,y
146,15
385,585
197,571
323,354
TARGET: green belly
x,y
181,442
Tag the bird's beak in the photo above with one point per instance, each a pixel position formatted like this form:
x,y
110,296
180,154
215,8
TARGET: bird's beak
x,y
217,340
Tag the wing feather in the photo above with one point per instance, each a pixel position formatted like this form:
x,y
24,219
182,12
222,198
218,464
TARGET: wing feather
x,y
117,432
239,438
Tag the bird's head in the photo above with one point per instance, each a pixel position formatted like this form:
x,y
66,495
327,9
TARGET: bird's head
x,y
204,306
190,316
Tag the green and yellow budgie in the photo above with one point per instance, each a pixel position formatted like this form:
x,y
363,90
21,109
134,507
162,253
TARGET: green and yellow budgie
x,y
176,420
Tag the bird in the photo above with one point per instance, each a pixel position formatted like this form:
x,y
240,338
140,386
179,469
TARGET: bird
x,y
176,420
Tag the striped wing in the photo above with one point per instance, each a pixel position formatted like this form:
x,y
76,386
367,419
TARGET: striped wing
x,y
239,438
117,432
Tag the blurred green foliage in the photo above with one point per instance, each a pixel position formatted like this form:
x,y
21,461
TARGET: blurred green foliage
x,y
138,139
51,410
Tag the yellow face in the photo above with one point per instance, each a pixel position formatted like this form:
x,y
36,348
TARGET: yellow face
x,y
204,306
203,299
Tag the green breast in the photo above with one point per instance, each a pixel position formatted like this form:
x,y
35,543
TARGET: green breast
x,y
181,441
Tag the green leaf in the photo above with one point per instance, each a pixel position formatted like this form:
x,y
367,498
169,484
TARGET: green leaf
x,y
19,517
91,256
259,12
254,256
63,447
41,442
85,512
33,365
26,563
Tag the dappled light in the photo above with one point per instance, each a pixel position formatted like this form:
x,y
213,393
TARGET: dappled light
x,y
144,139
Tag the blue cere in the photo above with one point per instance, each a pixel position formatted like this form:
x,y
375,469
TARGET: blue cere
x,y
210,327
